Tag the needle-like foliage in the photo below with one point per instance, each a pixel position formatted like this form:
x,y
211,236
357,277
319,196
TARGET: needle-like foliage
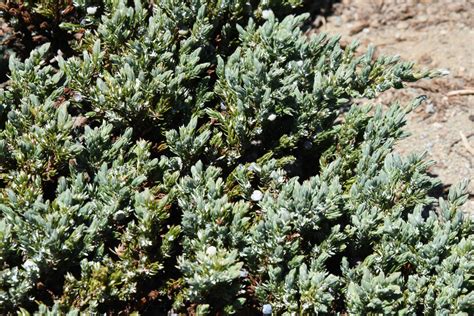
x,y
206,157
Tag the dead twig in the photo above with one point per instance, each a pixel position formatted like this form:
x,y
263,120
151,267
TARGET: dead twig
x,y
466,143
460,140
460,92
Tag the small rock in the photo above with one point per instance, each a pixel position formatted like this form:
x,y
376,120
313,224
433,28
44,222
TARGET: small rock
x,y
455,7
375,23
344,43
402,25
422,18
399,37
430,108
337,20
425,59
444,72
345,19
358,27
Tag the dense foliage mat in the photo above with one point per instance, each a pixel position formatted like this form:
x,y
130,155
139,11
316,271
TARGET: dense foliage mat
x,y
208,158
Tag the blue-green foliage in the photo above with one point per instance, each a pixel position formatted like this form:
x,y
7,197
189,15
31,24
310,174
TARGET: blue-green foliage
x,y
185,162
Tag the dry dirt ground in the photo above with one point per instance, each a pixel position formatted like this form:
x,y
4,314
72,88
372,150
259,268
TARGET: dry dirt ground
x,y
435,35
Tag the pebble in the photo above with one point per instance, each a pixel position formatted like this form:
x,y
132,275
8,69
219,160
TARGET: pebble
x,y
425,59
430,108
455,7
358,27
399,37
422,18
431,10
402,25
337,20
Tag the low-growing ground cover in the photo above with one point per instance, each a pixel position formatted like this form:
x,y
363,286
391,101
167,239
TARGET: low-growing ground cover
x,y
206,158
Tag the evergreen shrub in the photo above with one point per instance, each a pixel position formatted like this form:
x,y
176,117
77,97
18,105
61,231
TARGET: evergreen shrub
x,y
207,157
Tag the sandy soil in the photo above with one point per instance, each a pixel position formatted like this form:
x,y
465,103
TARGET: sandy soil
x,y
434,34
